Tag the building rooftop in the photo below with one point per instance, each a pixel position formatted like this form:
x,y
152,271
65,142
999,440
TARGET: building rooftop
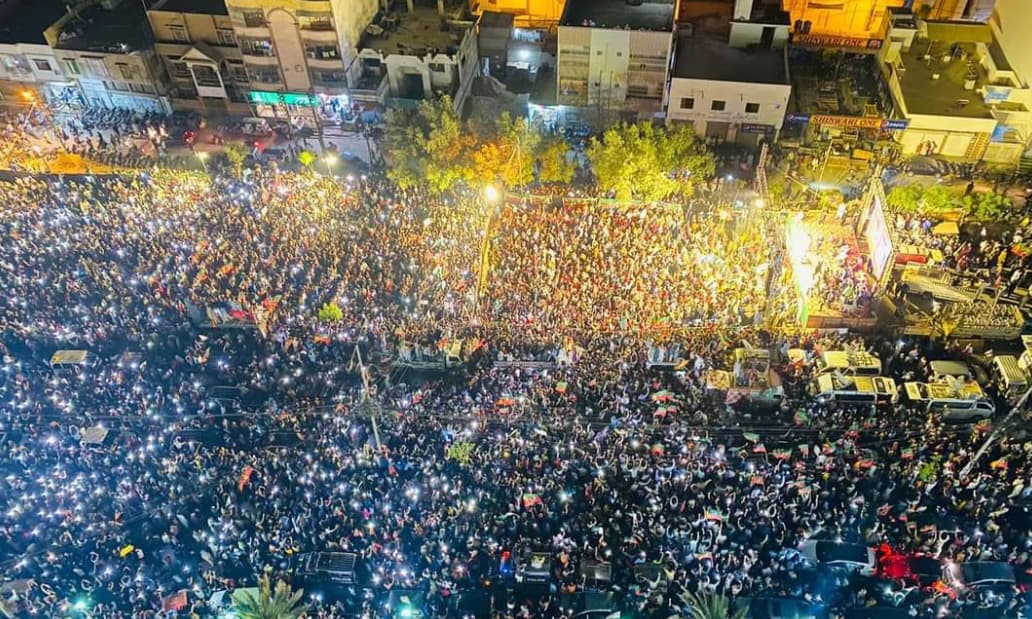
x,y
837,83
26,22
494,19
120,30
415,34
713,59
619,14
945,95
199,7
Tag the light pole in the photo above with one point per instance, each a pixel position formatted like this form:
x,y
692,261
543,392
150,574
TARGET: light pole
x,y
202,156
329,159
491,199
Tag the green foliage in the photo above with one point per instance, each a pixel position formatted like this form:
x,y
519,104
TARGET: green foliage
x,y
280,602
330,312
236,154
915,199
929,470
306,158
554,165
461,452
648,163
989,206
711,606
428,146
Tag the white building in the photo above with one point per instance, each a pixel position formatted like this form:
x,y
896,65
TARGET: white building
x,y
956,89
29,69
613,59
728,93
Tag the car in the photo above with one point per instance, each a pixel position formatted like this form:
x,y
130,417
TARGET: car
x,y
979,574
840,555
917,569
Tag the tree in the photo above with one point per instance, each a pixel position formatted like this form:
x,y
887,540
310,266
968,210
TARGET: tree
x,y
280,602
236,154
306,158
554,163
710,606
648,163
519,143
905,198
988,206
330,312
428,146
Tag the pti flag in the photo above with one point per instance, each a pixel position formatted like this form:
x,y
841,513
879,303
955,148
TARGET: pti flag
x,y
175,602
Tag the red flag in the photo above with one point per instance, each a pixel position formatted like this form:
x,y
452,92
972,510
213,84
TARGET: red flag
x,y
175,602
245,477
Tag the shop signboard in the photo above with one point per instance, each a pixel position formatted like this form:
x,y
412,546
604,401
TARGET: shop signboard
x,y
265,97
756,128
833,42
860,122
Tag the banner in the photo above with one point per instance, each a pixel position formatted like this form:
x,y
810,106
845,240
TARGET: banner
x,y
818,40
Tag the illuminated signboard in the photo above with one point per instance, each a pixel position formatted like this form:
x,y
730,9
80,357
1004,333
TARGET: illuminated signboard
x,y
264,97
879,241
817,40
853,122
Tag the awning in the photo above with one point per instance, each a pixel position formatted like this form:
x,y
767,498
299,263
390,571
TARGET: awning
x,y
946,228
958,32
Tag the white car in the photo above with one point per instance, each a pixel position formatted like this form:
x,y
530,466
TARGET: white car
x,y
852,557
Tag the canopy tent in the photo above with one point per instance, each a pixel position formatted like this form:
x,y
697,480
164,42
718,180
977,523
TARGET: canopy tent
x,y
69,358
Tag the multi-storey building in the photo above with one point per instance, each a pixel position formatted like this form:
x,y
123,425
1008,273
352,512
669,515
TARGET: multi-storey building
x,y
613,58
107,51
296,52
197,46
29,70
956,10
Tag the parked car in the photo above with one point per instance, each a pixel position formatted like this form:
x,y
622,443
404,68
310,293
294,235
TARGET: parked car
x,y
979,574
780,608
851,557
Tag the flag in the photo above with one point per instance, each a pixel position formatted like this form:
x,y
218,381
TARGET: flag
x,y
245,477
805,450
663,396
752,437
715,515
126,550
800,418
561,386
782,454
999,465
865,463
530,500
760,449
175,602
757,480
907,453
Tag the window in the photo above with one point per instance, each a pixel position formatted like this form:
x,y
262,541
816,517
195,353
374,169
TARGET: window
x,y
42,65
178,33
237,72
328,76
254,18
598,53
180,71
687,103
438,67
125,70
264,75
718,105
315,22
72,66
145,89
322,52
618,54
226,37
206,76
752,108
120,86
94,66
256,47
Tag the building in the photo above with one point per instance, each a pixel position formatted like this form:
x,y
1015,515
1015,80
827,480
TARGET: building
x,y
1009,24
105,49
419,54
958,93
735,90
613,59
29,70
296,53
197,46
527,14
956,10
840,23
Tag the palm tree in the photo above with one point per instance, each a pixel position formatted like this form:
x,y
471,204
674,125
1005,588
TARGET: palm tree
x,y
280,602
710,606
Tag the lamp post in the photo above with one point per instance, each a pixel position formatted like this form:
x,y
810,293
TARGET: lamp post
x,y
491,200
202,156
330,160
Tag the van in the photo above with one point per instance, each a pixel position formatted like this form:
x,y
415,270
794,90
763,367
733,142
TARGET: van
x,y
849,363
943,370
952,400
855,389
1008,373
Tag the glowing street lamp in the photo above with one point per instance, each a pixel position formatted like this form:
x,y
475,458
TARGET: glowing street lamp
x,y
491,194
202,156
330,160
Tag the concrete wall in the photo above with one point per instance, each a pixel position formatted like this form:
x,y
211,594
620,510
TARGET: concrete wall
x,y
1012,33
745,33
855,18
772,98
596,65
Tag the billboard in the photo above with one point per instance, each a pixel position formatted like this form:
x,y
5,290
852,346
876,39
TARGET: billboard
x,y
878,238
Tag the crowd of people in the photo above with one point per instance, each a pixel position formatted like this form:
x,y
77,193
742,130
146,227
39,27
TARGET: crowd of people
x,y
137,488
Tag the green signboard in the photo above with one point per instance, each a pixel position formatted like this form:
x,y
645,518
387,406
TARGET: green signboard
x,y
265,97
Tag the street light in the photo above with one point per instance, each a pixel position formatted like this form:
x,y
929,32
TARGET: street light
x,y
202,156
329,159
491,196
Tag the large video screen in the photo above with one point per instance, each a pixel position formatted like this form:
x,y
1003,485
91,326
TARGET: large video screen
x,y
879,242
